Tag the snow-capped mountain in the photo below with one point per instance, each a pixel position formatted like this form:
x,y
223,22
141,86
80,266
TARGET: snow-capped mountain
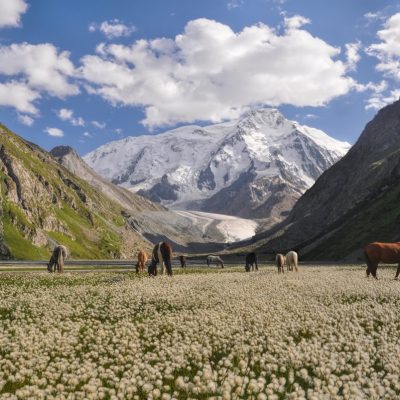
x,y
257,166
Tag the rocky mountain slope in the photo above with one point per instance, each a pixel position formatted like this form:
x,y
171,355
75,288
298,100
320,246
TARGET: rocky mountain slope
x,y
68,157
42,203
354,202
256,167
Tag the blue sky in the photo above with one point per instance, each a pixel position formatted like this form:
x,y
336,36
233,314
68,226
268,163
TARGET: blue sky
x,y
84,73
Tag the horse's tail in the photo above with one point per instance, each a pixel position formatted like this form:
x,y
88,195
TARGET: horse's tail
x,y
256,260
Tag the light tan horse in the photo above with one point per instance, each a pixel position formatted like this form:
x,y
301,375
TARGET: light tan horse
x,y
142,260
57,259
280,263
292,260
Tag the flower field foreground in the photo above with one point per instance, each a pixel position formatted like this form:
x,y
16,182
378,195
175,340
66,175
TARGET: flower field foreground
x,y
324,333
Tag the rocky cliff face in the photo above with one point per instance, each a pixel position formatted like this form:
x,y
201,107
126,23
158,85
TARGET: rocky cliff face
x,y
42,203
354,202
256,167
131,202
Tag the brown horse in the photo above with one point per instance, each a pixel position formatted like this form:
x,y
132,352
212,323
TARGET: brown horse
x,y
142,260
388,253
162,253
57,259
182,259
280,262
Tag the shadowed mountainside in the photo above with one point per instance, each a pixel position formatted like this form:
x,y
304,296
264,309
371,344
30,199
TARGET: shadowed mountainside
x,y
354,202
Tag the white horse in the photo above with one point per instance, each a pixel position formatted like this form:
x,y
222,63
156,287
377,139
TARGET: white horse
x,y
292,260
215,260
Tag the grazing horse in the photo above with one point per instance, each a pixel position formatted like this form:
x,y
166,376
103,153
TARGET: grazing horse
x,y
162,253
292,260
280,262
388,253
142,260
215,259
251,259
182,259
57,259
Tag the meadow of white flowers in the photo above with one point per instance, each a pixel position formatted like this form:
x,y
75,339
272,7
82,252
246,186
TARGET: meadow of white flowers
x,y
323,333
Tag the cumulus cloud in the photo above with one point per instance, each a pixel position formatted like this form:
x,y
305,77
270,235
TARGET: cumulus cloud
x,y
387,51
68,115
26,120
42,67
29,70
209,72
55,132
113,29
18,95
11,11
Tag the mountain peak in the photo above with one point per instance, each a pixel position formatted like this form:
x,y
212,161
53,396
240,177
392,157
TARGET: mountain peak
x,y
254,162
61,151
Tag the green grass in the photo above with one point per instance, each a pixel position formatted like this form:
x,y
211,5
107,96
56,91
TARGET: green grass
x,y
21,248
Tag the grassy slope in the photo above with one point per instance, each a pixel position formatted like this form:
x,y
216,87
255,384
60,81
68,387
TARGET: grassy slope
x,y
94,227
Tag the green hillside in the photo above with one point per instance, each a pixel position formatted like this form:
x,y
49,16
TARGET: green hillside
x,y
42,203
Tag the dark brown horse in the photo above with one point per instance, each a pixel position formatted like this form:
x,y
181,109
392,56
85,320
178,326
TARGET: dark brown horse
x,y
182,260
162,253
388,253
251,260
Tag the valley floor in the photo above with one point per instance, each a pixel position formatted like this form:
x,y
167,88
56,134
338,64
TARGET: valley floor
x,y
323,333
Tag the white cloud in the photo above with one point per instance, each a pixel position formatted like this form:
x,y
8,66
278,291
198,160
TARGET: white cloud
x,y
388,50
41,66
311,116
353,55
68,115
87,134
18,95
11,11
113,29
26,120
55,132
99,125
210,72
372,17
379,100
234,4
296,22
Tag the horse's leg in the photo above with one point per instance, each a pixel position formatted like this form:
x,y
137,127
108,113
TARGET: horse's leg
x,y
374,269
168,267
397,272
